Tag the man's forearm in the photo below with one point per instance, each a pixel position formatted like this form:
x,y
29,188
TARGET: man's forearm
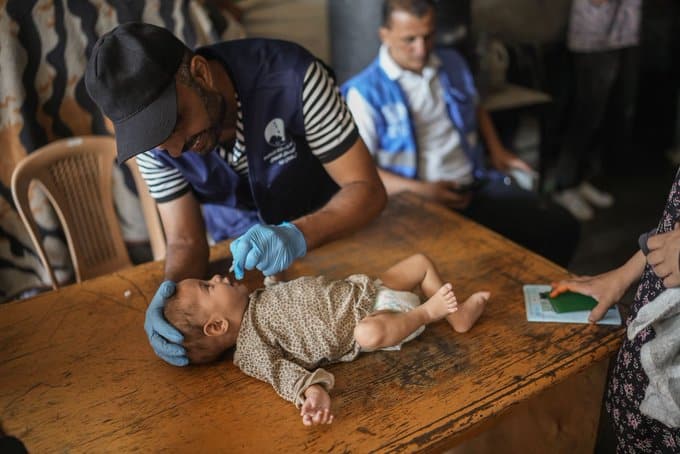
x,y
354,206
186,261
361,197
395,184
187,246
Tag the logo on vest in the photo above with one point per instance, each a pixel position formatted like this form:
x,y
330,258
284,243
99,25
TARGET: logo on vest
x,y
283,148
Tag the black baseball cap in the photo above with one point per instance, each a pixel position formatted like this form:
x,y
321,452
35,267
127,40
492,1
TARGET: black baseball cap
x,y
131,77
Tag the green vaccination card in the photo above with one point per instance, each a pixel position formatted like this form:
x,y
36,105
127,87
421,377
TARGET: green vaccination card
x,y
571,302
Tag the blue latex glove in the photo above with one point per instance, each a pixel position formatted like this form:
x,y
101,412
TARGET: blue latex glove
x,y
164,338
269,248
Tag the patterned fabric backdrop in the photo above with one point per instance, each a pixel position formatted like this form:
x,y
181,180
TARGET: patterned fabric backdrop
x,y
44,46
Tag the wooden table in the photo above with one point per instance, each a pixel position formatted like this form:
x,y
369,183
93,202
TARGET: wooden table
x,y
77,373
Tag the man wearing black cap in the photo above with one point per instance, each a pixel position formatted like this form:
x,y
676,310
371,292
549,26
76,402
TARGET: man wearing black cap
x,y
249,135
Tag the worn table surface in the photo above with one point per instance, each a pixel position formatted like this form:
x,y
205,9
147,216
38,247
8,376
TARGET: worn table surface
x,y
77,373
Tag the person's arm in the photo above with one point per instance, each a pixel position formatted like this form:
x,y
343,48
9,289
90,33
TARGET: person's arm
x,y
187,256
360,199
441,192
362,195
607,288
329,130
501,158
317,406
257,357
183,224
181,217
272,248
187,245
394,184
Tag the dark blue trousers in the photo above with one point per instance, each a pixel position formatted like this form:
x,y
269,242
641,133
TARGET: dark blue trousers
x,y
526,218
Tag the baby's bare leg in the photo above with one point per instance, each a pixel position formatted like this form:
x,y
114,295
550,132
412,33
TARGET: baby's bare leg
x,y
415,270
468,312
385,329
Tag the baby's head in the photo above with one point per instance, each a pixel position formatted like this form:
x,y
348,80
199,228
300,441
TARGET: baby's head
x,y
208,314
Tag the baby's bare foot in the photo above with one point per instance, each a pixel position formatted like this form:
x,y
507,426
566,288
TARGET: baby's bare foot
x,y
468,312
441,304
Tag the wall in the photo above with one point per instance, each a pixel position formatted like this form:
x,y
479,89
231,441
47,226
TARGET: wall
x,y
522,21
302,21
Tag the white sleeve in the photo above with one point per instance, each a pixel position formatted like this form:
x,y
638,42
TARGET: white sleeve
x,y
363,114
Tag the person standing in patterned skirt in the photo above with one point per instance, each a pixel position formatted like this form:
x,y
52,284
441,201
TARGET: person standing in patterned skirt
x,y
657,265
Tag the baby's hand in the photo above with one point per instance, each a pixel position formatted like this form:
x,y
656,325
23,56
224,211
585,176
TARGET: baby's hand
x,y
317,407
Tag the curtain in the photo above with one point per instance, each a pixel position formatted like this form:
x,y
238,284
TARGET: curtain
x,y
44,45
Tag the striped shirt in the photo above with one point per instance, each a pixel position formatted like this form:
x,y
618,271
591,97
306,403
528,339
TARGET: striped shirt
x,y
327,124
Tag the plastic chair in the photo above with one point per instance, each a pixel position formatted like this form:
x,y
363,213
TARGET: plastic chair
x,y
150,211
76,175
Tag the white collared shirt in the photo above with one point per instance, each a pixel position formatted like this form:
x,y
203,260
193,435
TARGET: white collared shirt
x,y
441,156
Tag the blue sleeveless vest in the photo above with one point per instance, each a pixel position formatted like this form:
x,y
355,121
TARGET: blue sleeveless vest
x,y
285,180
392,117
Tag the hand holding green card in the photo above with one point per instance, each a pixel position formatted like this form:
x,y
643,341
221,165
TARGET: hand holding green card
x,y
540,307
570,302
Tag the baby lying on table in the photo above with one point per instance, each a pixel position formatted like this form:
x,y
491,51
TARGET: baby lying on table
x,y
284,332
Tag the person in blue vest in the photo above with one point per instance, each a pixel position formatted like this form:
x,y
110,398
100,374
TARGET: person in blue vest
x,y
417,110
249,139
